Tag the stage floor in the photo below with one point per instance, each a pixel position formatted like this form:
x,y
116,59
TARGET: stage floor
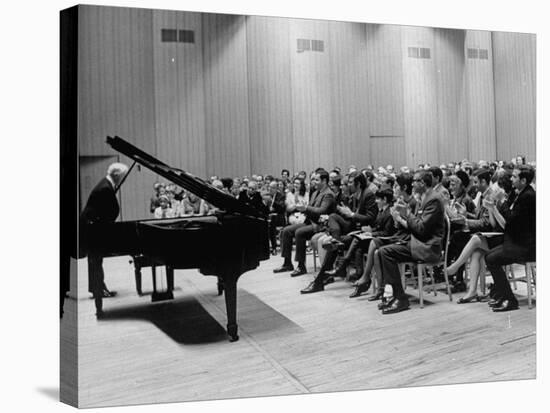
x,y
177,350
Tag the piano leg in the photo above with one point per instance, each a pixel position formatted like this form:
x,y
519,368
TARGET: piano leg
x,y
137,272
230,284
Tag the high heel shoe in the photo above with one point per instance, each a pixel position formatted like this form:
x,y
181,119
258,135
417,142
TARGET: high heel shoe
x,y
360,289
463,300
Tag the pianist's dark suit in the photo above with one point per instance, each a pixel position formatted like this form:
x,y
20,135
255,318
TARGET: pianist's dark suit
x,y
102,207
519,242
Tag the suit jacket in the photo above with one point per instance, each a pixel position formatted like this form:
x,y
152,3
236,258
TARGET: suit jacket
x,y
256,201
366,210
320,203
481,221
521,224
383,225
427,227
101,208
102,205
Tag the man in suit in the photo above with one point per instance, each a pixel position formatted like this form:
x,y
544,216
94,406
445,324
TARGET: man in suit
x,y
364,212
519,243
321,202
427,228
102,208
277,211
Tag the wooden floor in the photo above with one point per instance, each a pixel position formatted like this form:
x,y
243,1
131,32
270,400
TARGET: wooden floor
x,y
289,343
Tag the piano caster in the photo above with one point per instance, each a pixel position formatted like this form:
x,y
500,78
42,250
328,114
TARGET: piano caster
x,y
232,333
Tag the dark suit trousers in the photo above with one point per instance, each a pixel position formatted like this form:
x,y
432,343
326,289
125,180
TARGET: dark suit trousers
x,y
275,220
504,254
338,225
330,257
301,232
95,273
390,256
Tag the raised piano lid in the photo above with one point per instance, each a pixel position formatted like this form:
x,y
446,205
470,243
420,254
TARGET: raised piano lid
x,y
199,187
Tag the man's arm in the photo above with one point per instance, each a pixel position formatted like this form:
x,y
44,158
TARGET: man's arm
x,y
327,206
367,211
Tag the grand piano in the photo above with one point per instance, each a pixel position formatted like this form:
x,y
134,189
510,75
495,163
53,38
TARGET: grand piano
x,y
227,244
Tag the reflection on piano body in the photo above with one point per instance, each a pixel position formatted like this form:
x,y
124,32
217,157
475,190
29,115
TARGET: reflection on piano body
x,y
226,244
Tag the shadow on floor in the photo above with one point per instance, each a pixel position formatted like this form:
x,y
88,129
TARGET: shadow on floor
x,y
50,392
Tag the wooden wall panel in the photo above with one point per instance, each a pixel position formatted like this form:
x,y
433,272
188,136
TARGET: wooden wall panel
x,y
515,94
480,97
179,93
420,97
310,77
384,67
269,93
387,150
116,91
349,114
452,129
226,95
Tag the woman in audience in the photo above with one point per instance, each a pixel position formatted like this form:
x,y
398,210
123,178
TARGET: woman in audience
x,y
461,203
164,210
191,205
480,244
403,196
297,196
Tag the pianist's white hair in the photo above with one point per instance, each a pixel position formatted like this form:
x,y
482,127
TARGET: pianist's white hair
x,y
117,170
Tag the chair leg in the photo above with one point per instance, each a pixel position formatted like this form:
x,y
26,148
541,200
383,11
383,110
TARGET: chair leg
x,y
446,274
421,269
513,277
528,279
402,268
314,254
433,281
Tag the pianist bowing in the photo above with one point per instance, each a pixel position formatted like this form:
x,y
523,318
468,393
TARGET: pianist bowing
x,y
102,208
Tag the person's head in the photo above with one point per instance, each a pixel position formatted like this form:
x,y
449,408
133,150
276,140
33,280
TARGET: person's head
x,y
389,168
520,160
359,182
321,179
422,181
437,174
504,181
164,201
273,187
403,185
252,188
217,184
285,173
335,181
369,175
281,185
352,169
227,183
117,171
458,183
522,176
482,179
387,182
302,175
299,187
384,198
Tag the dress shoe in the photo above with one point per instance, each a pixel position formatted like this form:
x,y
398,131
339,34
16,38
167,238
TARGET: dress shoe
x,y
298,271
495,302
397,306
465,300
284,268
338,272
385,303
313,287
360,289
107,293
328,280
506,305
375,297
100,315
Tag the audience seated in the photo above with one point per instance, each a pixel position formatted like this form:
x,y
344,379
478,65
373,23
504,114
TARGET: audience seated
x,y
164,210
320,203
426,226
